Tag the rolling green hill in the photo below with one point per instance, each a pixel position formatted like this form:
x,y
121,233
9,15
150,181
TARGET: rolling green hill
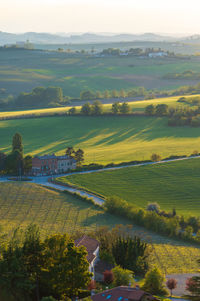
x,y
22,70
171,185
55,212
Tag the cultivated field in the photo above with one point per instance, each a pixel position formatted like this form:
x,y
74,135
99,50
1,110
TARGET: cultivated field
x,y
172,185
22,70
25,203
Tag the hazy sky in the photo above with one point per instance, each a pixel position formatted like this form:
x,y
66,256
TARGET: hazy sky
x,y
133,16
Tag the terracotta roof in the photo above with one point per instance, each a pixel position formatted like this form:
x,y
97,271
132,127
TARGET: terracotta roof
x,y
91,245
122,293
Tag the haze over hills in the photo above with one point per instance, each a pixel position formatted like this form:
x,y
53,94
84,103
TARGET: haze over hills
x,y
84,38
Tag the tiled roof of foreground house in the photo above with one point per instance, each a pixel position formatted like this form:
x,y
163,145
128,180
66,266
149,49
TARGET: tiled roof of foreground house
x,y
91,245
123,293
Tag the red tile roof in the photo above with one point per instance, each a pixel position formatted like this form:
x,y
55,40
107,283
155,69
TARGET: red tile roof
x,y
122,293
91,245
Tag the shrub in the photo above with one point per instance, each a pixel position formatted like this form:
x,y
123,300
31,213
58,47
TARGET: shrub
x,y
155,157
154,282
122,276
153,207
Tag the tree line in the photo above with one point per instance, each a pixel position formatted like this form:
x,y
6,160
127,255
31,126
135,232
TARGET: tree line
x,y
53,96
178,116
97,108
169,224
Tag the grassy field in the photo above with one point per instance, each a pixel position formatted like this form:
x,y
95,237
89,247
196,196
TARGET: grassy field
x,y
172,185
104,139
25,203
22,70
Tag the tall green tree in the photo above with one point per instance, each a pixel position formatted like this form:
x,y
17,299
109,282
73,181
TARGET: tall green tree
x,y
33,258
150,110
125,108
14,163
70,151
79,157
71,271
131,253
154,282
13,274
106,94
97,108
17,143
115,107
86,109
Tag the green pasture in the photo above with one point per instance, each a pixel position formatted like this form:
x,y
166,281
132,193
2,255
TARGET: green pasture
x,y
104,139
171,185
22,70
57,212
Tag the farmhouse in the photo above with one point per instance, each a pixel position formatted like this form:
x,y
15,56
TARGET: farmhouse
x,y
52,164
92,247
123,293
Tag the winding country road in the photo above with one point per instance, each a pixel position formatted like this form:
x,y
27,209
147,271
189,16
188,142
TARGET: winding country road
x,y
44,180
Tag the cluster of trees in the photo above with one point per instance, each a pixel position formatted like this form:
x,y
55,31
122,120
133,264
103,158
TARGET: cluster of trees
x,y
178,116
184,116
132,51
119,248
15,162
169,224
96,109
156,110
40,97
77,155
32,268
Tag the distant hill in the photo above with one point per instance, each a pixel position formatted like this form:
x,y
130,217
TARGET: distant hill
x,y
47,38
194,39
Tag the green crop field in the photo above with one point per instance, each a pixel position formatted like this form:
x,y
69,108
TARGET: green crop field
x,y
172,185
104,139
22,70
55,212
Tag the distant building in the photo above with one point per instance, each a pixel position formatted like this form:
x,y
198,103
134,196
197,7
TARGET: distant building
x,y
52,164
123,293
92,246
157,54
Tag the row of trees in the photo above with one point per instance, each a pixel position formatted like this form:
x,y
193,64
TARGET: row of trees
x,y
170,225
97,109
